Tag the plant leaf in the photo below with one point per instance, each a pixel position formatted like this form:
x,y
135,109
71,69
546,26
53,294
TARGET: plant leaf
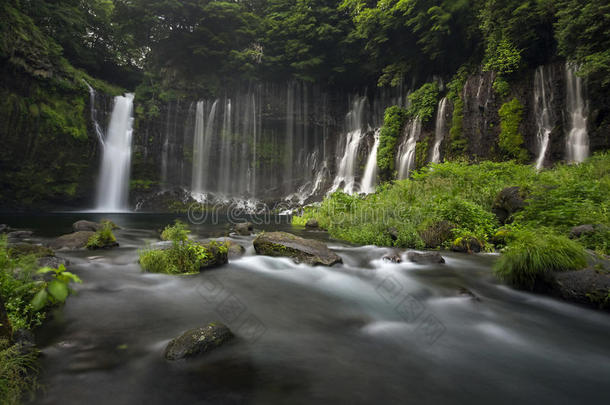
x,y
58,290
40,300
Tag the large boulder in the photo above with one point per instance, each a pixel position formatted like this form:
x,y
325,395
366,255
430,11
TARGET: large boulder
x,y
244,228
508,201
437,234
425,257
24,249
467,244
198,341
589,287
235,249
76,240
312,223
301,250
84,225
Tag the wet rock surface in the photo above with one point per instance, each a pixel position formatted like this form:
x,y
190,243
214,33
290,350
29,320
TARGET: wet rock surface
x,y
198,341
301,250
425,257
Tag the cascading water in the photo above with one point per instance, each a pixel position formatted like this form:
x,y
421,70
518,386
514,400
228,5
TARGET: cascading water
x,y
346,175
406,151
113,186
543,97
577,146
369,179
201,146
439,131
96,126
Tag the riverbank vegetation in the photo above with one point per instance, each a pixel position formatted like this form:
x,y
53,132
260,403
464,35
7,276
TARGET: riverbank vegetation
x,y
26,293
448,202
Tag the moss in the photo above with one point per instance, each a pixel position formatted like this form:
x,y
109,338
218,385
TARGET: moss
x,y
103,238
421,153
511,139
457,145
393,121
423,102
184,257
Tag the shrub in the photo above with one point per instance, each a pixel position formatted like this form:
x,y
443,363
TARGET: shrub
x,y
501,87
157,261
511,140
530,254
423,102
178,232
18,372
393,121
102,238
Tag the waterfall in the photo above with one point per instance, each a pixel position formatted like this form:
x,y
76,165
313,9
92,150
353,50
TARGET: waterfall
x,y
577,146
96,126
346,175
543,97
113,187
369,179
406,151
439,131
201,146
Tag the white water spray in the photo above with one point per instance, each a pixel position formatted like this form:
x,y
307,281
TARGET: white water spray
x,y
113,186
577,146
406,151
543,97
369,180
439,131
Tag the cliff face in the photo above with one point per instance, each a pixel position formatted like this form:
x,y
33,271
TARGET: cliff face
x,y
263,141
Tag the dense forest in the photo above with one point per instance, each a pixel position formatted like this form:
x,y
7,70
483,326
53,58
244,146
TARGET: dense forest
x,y
361,201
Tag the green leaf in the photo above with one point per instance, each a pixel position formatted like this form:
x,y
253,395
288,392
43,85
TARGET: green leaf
x,y
40,300
58,290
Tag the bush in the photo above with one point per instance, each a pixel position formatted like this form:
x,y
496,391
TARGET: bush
x,y
423,102
178,232
501,87
530,254
18,372
393,121
511,140
102,238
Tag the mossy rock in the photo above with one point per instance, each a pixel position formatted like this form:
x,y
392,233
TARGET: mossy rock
x,y
75,240
198,341
467,244
24,249
590,287
301,250
84,225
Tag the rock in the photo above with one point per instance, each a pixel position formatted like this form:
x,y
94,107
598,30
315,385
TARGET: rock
x,y
244,228
218,256
19,234
467,244
76,240
24,339
582,230
312,223
465,292
4,228
508,201
302,250
393,232
23,249
174,200
52,261
198,341
163,245
589,287
437,234
83,225
235,249
393,257
425,257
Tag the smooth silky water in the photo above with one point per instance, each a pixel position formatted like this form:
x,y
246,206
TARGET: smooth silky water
x,y
366,331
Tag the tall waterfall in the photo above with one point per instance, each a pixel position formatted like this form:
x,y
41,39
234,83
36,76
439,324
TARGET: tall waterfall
x,y
346,174
543,97
201,145
439,130
369,179
406,150
113,186
577,146
96,126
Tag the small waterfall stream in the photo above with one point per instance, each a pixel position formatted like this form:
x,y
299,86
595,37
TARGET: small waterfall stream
x,y
439,131
99,132
543,97
369,179
346,174
113,186
577,146
406,151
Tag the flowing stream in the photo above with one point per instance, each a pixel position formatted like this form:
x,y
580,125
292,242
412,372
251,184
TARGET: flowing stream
x,y
366,331
577,146
113,185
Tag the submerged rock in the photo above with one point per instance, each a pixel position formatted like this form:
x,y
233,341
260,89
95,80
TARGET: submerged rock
x,y
84,225
244,228
425,257
19,234
465,292
302,250
393,257
198,341
52,261
508,201
76,240
312,223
